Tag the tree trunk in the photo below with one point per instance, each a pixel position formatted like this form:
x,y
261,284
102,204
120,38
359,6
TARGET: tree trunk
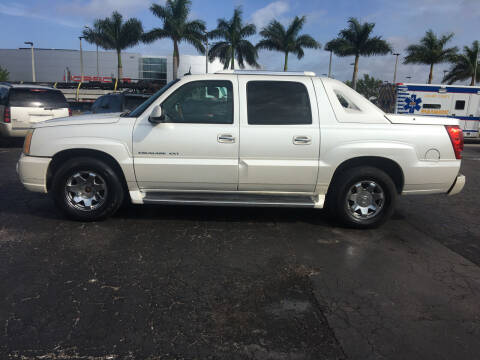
x,y
472,82
119,64
232,60
285,66
355,73
430,76
176,60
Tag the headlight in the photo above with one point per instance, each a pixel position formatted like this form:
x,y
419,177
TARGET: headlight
x,y
27,142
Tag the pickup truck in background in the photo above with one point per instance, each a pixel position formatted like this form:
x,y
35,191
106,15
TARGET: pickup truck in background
x,y
245,138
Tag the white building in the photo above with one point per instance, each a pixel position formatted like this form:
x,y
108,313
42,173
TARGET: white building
x,y
53,65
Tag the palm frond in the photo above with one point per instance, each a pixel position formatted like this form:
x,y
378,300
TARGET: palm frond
x,y
232,34
431,50
463,65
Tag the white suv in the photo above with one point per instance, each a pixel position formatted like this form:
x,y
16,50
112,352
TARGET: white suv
x,y
245,138
21,106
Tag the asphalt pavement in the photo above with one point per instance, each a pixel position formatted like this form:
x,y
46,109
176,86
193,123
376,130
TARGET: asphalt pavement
x,y
159,282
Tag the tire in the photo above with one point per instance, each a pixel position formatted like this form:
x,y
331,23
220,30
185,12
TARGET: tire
x,y
362,197
87,189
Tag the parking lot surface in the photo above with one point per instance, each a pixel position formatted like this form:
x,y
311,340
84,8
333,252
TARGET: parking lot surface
x,y
160,282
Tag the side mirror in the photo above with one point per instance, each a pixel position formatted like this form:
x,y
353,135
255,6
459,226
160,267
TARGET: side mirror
x,y
156,115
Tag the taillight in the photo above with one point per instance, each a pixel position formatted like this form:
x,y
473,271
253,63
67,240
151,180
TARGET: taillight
x,y
456,137
6,115
69,112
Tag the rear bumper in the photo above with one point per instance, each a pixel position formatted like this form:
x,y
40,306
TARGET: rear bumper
x,y
32,172
457,185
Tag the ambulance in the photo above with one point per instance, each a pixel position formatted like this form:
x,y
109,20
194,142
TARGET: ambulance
x,y
456,101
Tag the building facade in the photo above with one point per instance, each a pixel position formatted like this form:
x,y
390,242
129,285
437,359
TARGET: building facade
x,y
59,65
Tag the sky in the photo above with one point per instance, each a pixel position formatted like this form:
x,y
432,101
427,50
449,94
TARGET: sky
x,y
58,23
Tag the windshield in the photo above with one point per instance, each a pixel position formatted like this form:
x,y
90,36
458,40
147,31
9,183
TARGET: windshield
x,y
141,108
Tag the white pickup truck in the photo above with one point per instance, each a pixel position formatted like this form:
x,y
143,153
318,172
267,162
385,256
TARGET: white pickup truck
x,y
249,138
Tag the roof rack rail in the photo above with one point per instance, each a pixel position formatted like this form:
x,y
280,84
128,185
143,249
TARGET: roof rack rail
x,y
266,72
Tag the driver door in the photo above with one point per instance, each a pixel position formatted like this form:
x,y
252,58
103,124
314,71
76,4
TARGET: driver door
x,y
195,147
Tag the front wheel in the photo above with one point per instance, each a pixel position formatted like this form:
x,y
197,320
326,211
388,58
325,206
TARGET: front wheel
x,y
87,189
362,197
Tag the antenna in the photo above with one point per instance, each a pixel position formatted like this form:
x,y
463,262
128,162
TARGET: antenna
x,y
189,71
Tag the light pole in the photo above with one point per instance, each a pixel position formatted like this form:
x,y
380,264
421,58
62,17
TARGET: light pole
x,y
81,58
34,78
475,70
206,52
98,74
330,65
396,65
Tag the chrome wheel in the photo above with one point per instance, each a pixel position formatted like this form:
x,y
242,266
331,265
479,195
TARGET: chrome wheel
x,y
86,191
365,200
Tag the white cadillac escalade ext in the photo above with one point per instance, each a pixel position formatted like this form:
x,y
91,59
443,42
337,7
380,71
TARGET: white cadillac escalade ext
x,y
245,138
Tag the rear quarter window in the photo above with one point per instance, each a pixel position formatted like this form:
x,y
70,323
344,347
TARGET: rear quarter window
x,y
37,98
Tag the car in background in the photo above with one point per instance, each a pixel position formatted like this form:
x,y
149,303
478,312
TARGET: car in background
x,y
117,102
22,106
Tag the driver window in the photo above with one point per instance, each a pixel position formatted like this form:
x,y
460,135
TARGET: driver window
x,y
201,102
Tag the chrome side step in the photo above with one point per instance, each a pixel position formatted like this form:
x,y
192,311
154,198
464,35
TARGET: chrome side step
x,y
214,199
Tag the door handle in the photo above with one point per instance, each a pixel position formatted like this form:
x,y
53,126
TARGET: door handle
x,y
225,138
302,140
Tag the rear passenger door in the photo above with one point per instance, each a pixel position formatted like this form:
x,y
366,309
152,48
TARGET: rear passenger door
x,y
279,134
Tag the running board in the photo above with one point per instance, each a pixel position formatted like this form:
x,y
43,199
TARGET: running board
x,y
218,199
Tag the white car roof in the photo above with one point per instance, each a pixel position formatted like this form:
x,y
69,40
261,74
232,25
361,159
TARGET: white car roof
x,y
265,72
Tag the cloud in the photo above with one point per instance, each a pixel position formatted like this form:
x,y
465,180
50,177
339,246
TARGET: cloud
x,y
273,10
16,9
93,9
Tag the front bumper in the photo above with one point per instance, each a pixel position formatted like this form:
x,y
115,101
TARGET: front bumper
x,y
32,172
457,185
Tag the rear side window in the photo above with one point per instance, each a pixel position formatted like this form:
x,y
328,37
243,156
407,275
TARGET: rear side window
x,y
460,105
37,98
432,106
278,103
3,96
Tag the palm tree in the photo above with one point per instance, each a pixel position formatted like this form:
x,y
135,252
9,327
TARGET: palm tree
x,y
234,45
464,66
356,40
114,34
431,51
176,26
276,37
4,74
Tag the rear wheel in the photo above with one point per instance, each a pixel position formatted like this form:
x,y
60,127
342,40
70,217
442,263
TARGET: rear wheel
x,y
362,197
87,189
